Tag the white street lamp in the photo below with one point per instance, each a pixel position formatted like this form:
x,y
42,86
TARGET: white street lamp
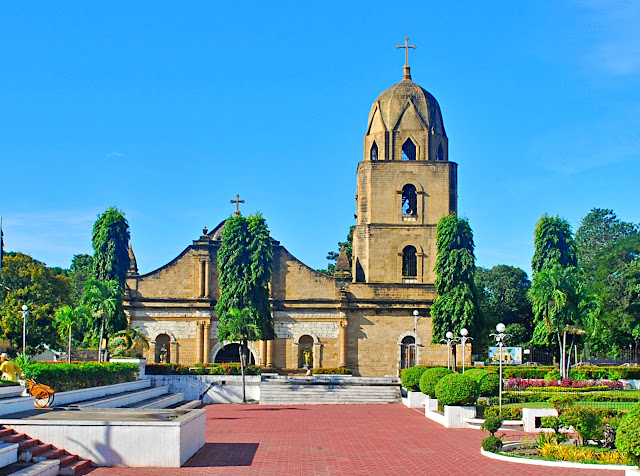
x,y
463,341
24,312
416,316
447,341
500,337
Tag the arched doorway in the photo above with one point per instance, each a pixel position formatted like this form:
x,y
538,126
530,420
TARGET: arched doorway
x,y
305,352
163,349
231,354
407,352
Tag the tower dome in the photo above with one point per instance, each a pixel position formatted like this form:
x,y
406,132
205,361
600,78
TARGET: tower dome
x,y
405,123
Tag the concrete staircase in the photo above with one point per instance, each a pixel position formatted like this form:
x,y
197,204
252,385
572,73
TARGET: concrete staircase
x,y
40,459
280,390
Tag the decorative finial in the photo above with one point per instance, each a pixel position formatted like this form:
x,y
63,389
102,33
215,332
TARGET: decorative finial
x,y
205,230
406,69
237,201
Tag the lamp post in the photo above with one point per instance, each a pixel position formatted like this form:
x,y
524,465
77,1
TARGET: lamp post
x,y
463,341
447,341
416,316
500,336
24,312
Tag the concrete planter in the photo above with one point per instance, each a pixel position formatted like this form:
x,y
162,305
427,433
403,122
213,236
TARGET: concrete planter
x,y
529,416
414,399
142,364
11,391
431,403
210,388
453,416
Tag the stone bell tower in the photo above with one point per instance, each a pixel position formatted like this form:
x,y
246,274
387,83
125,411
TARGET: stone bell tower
x,y
406,183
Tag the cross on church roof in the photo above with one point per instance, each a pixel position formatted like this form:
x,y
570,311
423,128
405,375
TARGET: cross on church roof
x,y
237,201
406,69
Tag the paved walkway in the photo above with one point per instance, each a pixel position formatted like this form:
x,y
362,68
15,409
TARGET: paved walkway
x,y
337,440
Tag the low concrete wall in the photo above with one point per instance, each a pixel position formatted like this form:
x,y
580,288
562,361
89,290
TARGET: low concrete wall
x,y
633,383
125,442
209,388
529,416
74,396
414,399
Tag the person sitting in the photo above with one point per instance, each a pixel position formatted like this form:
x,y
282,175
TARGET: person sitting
x,y
9,369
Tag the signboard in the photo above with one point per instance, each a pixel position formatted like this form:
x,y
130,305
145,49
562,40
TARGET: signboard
x,y
508,355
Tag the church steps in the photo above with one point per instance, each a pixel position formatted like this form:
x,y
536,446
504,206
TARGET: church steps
x,y
162,401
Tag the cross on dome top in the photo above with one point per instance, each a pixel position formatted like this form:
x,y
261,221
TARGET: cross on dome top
x,y
406,69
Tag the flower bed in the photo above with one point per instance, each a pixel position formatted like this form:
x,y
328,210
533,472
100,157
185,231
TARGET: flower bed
x,y
201,369
566,383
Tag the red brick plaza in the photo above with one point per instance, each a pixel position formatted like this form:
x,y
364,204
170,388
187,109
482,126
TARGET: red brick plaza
x,y
338,440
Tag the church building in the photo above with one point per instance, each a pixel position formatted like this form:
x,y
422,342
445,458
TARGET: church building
x,y
362,318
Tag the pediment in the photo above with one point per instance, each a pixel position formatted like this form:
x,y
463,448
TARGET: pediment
x,y
376,124
410,119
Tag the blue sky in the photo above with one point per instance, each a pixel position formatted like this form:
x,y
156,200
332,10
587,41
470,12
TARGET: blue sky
x,y
168,109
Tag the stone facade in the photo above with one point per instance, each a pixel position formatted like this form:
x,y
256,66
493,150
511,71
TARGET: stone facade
x,y
405,184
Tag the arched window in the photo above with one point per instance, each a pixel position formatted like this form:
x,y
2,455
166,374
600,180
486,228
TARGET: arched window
x,y
409,200
407,352
374,151
409,262
440,155
408,150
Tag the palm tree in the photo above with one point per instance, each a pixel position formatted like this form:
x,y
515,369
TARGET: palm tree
x,y
126,340
104,300
65,319
239,325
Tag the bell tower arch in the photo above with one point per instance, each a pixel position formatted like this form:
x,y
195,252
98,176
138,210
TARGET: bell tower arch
x,y
405,184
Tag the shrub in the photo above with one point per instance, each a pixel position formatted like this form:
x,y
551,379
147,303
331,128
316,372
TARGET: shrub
x,y
430,379
8,383
488,381
232,369
411,377
166,369
508,413
332,371
586,421
552,376
457,389
492,424
62,377
628,435
560,402
492,443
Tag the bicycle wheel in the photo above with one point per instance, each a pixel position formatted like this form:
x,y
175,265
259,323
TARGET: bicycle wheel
x,y
43,398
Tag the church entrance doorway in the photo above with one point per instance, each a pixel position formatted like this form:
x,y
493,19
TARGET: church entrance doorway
x,y
231,354
407,352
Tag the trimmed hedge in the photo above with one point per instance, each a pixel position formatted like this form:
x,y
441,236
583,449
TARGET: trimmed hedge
x,y
332,371
63,377
457,389
508,413
579,373
411,377
605,396
201,369
430,379
628,435
492,444
488,381
8,383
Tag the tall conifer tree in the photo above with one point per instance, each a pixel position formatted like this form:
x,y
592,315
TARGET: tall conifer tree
x,y
110,241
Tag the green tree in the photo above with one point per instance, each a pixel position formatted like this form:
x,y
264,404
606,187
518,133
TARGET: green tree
x,y
456,302
245,263
505,296
554,244
559,301
104,300
126,341
81,270
332,256
110,240
65,319
240,325
28,281
598,229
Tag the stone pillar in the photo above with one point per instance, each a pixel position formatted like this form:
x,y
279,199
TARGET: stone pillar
x,y
173,354
207,341
152,352
206,292
269,362
317,349
199,332
263,353
202,279
343,344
